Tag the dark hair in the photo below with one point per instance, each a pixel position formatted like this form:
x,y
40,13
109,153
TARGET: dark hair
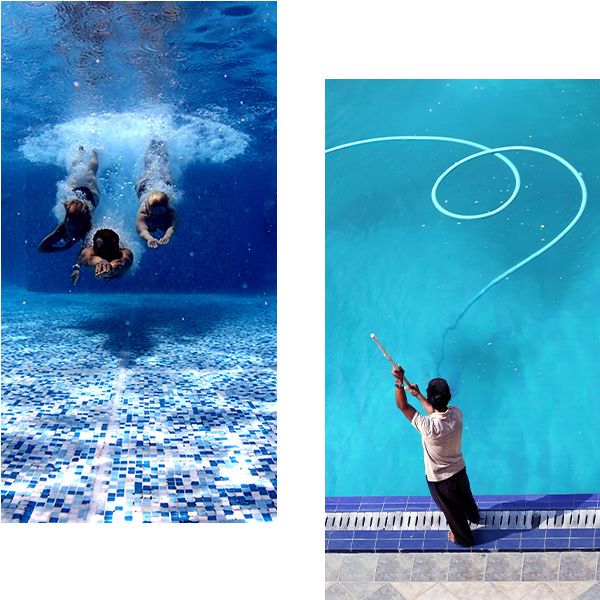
x,y
108,248
438,394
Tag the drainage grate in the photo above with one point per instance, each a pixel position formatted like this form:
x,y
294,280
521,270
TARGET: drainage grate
x,y
505,519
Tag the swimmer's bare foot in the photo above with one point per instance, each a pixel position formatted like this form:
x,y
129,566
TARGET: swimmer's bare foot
x,y
78,157
451,537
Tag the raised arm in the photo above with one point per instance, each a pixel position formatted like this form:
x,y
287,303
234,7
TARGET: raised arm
x,y
401,402
49,243
414,390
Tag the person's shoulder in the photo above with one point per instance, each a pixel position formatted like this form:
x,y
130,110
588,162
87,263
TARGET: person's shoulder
x,y
421,422
455,412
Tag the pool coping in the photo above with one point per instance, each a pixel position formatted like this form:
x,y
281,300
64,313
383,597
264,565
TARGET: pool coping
x,y
487,539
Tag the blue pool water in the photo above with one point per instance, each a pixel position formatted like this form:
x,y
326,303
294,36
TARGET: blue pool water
x,y
148,398
520,362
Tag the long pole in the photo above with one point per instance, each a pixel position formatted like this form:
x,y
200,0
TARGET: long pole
x,y
387,355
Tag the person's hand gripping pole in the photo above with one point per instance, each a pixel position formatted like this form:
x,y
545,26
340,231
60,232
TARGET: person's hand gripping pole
x,y
394,364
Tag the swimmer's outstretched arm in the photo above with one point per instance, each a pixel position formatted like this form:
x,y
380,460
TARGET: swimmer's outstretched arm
x,y
87,258
48,244
84,259
121,265
141,226
171,229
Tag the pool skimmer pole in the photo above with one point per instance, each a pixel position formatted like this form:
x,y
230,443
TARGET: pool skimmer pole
x,y
387,355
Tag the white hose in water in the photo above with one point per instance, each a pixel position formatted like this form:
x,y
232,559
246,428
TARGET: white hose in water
x,y
484,150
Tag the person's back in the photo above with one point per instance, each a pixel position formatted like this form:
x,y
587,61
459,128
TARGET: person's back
x,y
441,435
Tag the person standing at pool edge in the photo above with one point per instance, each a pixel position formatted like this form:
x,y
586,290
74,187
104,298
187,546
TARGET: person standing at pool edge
x,y
445,470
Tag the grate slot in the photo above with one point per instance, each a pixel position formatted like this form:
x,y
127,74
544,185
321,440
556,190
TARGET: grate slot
x,y
414,520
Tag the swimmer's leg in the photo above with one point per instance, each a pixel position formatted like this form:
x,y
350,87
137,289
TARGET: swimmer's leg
x,y
92,177
78,158
93,164
156,160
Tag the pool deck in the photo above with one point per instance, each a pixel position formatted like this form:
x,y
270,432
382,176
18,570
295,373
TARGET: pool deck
x,y
543,547
473,576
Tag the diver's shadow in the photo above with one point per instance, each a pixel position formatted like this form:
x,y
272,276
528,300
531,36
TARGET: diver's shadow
x,y
133,331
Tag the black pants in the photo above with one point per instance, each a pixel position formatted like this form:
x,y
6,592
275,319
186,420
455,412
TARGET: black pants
x,y
455,500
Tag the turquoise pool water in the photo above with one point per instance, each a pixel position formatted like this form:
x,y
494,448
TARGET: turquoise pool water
x,y
520,362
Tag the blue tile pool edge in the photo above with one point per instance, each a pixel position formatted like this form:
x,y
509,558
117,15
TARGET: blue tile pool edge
x,y
486,540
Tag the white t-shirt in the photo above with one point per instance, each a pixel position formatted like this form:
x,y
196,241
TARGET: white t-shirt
x,y
441,434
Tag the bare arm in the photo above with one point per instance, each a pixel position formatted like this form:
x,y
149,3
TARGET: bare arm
x,y
48,244
414,390
85,258
401,402
121,265
141,224
88,258
171,229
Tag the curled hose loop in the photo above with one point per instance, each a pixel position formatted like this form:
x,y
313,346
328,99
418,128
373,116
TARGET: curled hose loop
x,y
484,150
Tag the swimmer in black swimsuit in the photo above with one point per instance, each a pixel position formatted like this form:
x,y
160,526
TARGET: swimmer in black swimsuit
x,y
153,188
106,256
79,207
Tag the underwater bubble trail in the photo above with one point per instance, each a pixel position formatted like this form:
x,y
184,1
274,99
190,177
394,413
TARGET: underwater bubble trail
x,y
484,150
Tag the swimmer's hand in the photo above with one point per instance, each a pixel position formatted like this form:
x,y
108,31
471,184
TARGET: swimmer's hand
x,y
413,388
104,269
74,276
153,242
398,373
164,239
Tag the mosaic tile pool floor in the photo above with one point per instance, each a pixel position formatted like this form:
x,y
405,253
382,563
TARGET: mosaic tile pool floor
x,y
142,408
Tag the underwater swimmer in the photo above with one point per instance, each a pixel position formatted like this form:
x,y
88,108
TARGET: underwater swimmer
x,y
83,185
106,256
155,212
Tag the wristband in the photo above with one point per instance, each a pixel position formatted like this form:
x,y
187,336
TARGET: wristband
x,y
400,387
